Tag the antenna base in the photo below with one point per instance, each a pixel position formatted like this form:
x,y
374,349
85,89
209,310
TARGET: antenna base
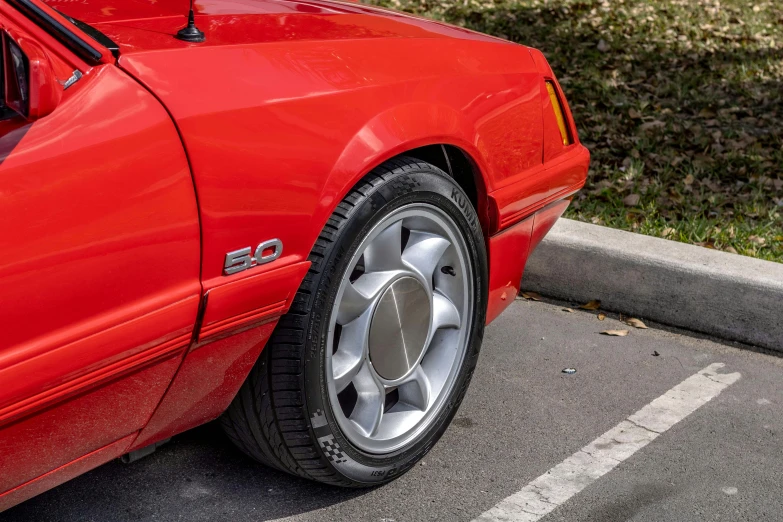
x,y
190,33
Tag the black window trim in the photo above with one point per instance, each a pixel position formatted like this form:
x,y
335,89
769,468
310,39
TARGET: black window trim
x,y
57,29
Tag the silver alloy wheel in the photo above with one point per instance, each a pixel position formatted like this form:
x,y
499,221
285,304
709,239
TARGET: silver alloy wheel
x,y
399,328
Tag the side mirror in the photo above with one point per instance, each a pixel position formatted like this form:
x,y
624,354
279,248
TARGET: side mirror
x,y
30,86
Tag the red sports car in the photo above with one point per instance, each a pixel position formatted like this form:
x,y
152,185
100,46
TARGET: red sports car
x,y
296,216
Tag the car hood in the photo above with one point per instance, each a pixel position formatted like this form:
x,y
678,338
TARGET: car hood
x,y
143,26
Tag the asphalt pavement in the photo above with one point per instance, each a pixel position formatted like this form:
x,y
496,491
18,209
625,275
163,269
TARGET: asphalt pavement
x,y
522,416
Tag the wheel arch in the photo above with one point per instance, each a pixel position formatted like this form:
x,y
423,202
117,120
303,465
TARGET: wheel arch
x,y
437,134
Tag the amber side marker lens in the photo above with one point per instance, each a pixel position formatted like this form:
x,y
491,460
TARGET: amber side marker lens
x,y
561,123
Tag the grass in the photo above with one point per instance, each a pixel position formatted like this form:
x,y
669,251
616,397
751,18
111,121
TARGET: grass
x,y
680,103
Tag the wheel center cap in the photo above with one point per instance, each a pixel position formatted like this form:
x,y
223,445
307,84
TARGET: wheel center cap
x,y
399,328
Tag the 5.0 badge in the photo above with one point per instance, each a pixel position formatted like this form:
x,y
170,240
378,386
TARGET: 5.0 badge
x,y
239,260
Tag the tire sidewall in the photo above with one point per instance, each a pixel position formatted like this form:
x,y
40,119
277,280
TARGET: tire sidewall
x,y
420,185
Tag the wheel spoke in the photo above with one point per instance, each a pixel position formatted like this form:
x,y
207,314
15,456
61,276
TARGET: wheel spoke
x,y
349,357
344,370
352,304
416,389
423,252
359,295
369,403
383,253
444,313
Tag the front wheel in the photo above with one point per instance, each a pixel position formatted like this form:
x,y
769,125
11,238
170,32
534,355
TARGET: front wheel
x,y
364,373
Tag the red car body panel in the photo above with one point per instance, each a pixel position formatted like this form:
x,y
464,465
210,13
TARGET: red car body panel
x,y
120,206
224,352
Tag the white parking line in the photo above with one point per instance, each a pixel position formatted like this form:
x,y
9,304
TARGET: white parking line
x,y
541,496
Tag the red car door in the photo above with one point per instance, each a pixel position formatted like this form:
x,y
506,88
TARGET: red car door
x,y
99,267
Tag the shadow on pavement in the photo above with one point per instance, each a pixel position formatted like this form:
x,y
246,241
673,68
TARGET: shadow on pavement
x,y
199,475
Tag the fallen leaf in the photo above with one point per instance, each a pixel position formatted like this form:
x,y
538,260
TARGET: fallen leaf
x,y
568,310
688,179
592,305
602,46
668,232
615,333
636,323
758,240
601,317
731,250
531,295
650,125
631,200
633,113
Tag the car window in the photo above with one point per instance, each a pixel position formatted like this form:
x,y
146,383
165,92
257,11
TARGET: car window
x,y
15,92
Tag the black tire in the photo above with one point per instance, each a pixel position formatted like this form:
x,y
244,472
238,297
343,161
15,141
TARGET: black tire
x,y
283,411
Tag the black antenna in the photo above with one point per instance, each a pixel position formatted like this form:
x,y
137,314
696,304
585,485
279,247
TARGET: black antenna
x,y
190,32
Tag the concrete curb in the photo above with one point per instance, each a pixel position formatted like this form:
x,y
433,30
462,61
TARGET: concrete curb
x,y
726,295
